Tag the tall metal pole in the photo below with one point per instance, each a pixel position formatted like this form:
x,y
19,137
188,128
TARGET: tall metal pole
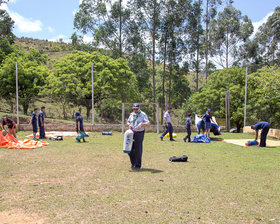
x,y
157,118
17,94
123,117
245,103
92,94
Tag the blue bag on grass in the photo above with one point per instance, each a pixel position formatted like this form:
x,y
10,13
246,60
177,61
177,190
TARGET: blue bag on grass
x,y
201,139
81,135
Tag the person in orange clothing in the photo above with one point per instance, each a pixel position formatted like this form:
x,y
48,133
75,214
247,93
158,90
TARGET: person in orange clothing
x,y
10,124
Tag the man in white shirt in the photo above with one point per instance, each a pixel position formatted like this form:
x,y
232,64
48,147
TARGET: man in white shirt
x,y
168,125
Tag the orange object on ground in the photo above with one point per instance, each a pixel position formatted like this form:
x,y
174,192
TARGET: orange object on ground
x,y
11,142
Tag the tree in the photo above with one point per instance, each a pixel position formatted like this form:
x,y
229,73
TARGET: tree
x,y
228,33
6,35
113,81
268,38
106,20
264,95
32,72
212,95
210,13
195,40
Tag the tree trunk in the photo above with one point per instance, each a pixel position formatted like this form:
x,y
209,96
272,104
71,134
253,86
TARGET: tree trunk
x,y
198,48
88,113
227,47
25,108
120,40
238,127
12,107
169,88
64,111
206,40
163,77
153,58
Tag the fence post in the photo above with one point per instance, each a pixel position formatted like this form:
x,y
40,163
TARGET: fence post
x,y
17,94
245,103
157,118
92,94
227,112
122,117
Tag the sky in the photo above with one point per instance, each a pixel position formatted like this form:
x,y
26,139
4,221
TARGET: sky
x,y
53,19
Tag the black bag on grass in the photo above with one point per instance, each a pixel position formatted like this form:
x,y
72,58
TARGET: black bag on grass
x,y
183,158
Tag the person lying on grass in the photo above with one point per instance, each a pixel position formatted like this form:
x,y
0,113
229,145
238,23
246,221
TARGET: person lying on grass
x,y
10,124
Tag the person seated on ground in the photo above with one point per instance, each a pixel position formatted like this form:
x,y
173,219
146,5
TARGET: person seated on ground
x,y
79,125
208,119
200,125
265,126
11,126
33,121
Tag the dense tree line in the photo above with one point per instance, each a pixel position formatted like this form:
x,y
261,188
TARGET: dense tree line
x,y
144,50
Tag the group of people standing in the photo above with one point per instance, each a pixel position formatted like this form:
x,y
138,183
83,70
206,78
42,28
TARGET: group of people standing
x,y
40,121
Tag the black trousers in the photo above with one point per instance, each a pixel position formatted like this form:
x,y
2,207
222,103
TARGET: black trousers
x,y
189,131
169,129
42,132
137,149
263,135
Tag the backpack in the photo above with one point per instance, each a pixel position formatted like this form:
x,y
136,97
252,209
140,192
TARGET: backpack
x,y
183,158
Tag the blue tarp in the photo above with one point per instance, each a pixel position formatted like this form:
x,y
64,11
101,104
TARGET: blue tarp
x,y
201,139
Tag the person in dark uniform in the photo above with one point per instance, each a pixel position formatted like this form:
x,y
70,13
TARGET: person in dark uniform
x,y
10,124
207,120
137,122
265,126
168,125
79,125
188,127
41,123
34,123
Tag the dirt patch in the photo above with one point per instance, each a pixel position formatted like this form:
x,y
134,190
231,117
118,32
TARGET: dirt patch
x,y
19,217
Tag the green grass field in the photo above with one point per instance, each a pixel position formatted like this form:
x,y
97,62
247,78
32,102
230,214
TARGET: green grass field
x,y
91,182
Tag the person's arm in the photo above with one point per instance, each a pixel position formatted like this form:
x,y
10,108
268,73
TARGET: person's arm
x,y
41,120
256,137
14,124
3,126
145,123
129,122
165,121
79,130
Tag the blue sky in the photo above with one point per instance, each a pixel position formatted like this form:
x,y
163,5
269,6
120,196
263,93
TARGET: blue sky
x,y
52,19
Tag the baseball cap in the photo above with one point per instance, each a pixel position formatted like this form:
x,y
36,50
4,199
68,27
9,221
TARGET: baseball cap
x,y
136,106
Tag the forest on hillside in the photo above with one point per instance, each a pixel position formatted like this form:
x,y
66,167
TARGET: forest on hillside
x,y
180,53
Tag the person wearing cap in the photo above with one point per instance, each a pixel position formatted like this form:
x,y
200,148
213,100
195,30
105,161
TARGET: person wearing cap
x,y
168,125
41,123
79,124
265,126
137,122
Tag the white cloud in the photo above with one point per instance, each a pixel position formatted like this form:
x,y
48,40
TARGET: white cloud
x,y
259,23
24,25
50,29
74,12
87,39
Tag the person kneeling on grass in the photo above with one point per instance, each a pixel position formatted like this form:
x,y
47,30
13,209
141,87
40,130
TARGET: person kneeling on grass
x,y
11,126
79,125
265,126
33,121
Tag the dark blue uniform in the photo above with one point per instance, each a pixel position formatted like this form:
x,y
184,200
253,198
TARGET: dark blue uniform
x,y
9,123
189,131
207,120
169,128
79,119
137,147
265,126
34,122
41,125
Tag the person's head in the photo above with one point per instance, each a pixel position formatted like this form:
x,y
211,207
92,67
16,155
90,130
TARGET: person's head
x,y
5,118
208,111
253,127
136,107
77,114
169,109
190,115
43,109
36,110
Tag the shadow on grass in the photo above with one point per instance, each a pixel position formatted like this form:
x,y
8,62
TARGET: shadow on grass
x,y
148,170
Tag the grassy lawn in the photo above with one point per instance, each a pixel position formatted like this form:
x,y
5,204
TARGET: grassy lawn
x,y
67,182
